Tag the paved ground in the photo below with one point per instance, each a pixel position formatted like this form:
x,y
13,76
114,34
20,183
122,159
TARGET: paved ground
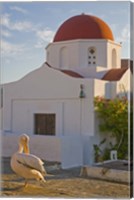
x,y
60,183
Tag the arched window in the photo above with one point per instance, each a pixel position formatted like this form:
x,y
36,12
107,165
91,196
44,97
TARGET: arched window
x,y
64,61
114,58
92,56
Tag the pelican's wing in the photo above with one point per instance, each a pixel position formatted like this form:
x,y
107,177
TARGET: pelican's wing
x,y
31,161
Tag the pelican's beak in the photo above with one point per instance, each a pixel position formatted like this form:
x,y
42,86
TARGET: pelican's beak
x,y
43,183
26,149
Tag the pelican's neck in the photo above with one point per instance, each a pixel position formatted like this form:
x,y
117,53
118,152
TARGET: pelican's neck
x,y
26,148
20,150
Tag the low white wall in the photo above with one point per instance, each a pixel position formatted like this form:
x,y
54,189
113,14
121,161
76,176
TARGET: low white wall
x,y
102,173
66,149
72,151
46,147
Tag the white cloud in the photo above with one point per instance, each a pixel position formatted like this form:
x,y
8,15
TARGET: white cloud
x,y
124,34
18,9
39,44
44,36
9,49
5,33
22,26
17,25
5,20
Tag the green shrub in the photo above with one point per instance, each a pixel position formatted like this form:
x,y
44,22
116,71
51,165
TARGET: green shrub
x,y
113,119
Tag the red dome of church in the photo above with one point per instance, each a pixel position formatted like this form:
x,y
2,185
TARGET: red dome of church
x,y
83,27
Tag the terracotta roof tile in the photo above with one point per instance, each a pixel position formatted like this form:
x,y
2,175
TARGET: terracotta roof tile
x,y
114,74
68,72
72,73
127,63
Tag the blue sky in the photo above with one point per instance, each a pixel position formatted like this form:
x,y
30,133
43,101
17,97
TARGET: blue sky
x,y
27,28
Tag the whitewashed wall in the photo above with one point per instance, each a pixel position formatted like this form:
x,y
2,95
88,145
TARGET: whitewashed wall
x,y
40,146
48,90
110,46
126,83
99,87
67,150
73,117
77,52
23,112
113,88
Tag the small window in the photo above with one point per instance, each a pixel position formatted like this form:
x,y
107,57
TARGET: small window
x,y
44,124
91,56
92,51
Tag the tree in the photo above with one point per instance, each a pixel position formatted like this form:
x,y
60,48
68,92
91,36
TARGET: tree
x,y
113,120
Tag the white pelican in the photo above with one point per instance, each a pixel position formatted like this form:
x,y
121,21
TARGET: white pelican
x,y
27,165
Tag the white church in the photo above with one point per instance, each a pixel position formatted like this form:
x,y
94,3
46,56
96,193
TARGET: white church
x,y
54,104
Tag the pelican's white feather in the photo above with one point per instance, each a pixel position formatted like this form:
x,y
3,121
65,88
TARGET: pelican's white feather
x,y
31,161
27,165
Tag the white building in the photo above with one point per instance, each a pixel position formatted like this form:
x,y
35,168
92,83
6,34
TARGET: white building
x,y
54,104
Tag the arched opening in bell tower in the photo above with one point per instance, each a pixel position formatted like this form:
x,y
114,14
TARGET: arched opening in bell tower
x,y
64,57
114,58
